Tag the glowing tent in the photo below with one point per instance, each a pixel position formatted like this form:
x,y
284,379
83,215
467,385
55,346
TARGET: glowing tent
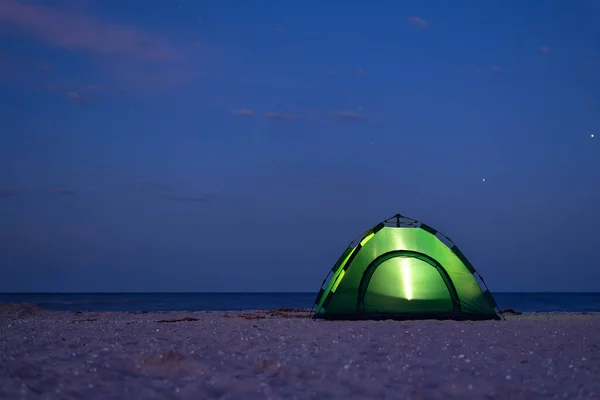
x,y
404,269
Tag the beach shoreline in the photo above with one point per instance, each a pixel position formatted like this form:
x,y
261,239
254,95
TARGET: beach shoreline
x,y
285,354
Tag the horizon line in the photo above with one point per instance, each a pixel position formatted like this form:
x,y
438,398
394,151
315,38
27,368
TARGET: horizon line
x,y
267,292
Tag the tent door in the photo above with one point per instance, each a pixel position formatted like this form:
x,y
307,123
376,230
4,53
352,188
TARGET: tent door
x,y
406,282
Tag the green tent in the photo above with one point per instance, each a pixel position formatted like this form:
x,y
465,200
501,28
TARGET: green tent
x,y
404,269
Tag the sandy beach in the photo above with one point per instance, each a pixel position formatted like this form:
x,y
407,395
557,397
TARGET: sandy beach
x,y
286,355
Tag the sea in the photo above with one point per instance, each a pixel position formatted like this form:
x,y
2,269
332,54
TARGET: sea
x,y
524,302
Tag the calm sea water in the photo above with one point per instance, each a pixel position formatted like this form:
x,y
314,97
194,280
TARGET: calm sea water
x,y
569,302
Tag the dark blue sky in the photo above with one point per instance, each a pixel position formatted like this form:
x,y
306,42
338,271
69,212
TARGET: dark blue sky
x,y
240,145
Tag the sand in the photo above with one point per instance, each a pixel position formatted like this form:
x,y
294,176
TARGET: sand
x,y
284,355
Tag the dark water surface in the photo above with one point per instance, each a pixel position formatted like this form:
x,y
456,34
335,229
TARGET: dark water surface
x,y
569,302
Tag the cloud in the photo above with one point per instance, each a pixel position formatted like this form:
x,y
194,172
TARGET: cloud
x,y
74,92
479,70
99,172
154,186
103,89
470,69
544,49
328,184
348,115
132,55
8,192
244,112
58,192
169,192
420,22
197,199
79,32
283,117
152,75
45,67
338,183
16,64
294,50
76,98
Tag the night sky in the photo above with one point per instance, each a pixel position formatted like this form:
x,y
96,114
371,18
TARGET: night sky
x,y
217,145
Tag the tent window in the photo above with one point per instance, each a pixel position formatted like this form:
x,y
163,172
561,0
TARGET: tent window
x,y
444,240
479,282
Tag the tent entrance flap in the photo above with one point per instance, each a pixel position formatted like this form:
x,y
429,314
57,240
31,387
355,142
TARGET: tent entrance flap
x,y
407,280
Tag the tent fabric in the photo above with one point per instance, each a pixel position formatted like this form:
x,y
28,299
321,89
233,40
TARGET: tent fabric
x,y
403,269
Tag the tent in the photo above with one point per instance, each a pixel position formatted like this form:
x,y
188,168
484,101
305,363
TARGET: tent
x,y
404,269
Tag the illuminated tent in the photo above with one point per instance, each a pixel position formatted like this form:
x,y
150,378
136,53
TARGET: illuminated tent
x,y
404,269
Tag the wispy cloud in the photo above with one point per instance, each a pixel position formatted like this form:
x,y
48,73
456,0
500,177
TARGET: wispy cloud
x,y
168,191
16,64
151,186
544,49
155,76
327,184
98,172
45,67
197,199
8,192
348,115
141,59
338,183
293,49
283,117
478,69
58,192
420,22
102,89
244,112
83,91
79,32
77,98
